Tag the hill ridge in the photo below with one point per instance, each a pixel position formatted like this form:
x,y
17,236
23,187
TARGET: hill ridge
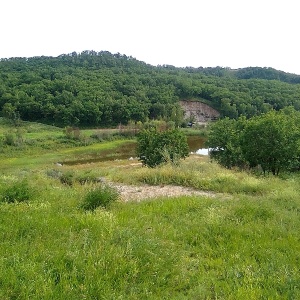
x,y
104,89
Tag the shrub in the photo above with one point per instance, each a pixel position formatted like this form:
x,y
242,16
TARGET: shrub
x,y
72,132
100,136
155,148
18,192
54,173
9,138
87,178
269,141
102,196
67,178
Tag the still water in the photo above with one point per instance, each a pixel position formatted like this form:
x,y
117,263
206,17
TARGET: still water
x,y
196,145
126,151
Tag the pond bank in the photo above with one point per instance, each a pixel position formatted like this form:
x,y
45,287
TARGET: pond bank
x,y
128,149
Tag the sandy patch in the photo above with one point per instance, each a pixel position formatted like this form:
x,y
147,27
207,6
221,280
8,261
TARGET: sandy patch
x,y
138,193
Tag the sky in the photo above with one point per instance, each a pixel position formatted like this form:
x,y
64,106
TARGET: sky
x,y
207,33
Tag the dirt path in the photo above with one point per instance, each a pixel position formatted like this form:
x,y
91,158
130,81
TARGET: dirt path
x,y
143,192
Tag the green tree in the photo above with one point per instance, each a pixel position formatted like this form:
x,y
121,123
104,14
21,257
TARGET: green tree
x,y
8,111
271,141
155,147
99,88
177,115
224,142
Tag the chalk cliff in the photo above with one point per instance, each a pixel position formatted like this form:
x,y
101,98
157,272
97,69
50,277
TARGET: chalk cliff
x,y
199,112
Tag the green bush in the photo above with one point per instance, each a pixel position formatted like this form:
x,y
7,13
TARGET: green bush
x,y
18,192
87,178
101,196
269,142
9,138
155,147
72,132
67,178
54,173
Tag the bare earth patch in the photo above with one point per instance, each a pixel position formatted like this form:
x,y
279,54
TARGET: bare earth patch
x,y
143,192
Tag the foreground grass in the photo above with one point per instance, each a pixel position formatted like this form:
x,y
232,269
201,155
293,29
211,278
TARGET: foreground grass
x,y
185,248
236,247
241,244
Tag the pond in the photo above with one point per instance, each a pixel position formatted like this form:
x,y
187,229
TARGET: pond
x,y
128,151
196,145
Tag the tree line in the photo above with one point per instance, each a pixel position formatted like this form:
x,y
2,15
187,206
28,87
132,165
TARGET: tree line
x,y
104,89
248,73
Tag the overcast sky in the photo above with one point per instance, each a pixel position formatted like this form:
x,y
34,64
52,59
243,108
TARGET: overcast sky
x,y
208,33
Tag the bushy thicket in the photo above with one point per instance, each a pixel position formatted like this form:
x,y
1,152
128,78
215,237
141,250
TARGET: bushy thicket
x,y
155,147
270,141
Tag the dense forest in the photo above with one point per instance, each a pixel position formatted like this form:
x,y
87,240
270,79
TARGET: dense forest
x,y
103,89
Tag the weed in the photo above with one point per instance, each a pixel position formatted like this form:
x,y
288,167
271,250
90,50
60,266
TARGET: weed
x,y
101,196
9,138
54,173
67,178
87,178
19,191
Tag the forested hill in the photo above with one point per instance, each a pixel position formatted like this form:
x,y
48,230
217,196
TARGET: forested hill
x,y
104,89
248,73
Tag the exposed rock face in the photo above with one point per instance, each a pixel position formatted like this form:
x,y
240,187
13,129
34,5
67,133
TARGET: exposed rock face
x,y
198,112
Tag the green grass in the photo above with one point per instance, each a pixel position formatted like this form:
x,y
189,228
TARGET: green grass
x,y
241,244
197,172
181,248
196,131
41,156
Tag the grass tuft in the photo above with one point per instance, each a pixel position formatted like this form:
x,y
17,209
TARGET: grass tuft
x,y
19,191
100,196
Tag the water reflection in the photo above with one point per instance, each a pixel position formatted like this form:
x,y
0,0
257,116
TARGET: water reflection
x,y
127,150
196,145
202,151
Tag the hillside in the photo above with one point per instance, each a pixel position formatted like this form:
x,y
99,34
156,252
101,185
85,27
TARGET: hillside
x,y
103,89
248,73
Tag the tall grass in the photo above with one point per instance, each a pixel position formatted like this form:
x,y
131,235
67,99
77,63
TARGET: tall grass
x,y
101,196
203,175
180,248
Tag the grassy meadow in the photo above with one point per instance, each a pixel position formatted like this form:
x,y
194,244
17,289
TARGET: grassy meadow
x,y
241,241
